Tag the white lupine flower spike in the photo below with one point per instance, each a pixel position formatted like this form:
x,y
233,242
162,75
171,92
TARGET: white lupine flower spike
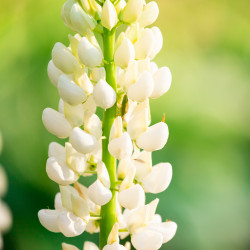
x,y
109,70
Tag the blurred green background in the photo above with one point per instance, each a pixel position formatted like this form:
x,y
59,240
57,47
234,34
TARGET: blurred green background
x,y
207,47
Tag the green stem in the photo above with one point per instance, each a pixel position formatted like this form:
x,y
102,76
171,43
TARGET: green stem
x,y
108,211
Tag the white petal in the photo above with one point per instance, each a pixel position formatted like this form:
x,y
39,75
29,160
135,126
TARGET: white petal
x,y
158,42
66,193
125,54
132,198
158,179
59,172
68,247
120,6
63,59
103,174
144,45
123,168
154,138
116,129
121,147
142,89
56,123
85,83
162,82
90,246
104,95
70,92
92,227
97,74
89,55
90,105
75,160
54,73
149,14
109,15
74,114
132,11
167,229
49,219
80,207
147,240
93,124
58,202
61,106
56,150
99,194
82,141
114,246
70,225
80,20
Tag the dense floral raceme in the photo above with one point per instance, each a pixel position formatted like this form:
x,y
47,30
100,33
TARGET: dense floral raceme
x,y
120,78
5,215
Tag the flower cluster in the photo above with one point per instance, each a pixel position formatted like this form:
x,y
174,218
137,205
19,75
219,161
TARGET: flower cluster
x,y
87,75
5,215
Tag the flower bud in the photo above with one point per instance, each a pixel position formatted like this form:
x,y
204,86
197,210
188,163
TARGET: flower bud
x,y
58,202
80,207
5,217
68,247
132,11
121,147
74,114
59,172
114,246
70,225
99,194
163,174
120,6
56,123
154,138
49,219
132,197
85,83
65,13
75,160
162,82
90,246
144,45
149,15
116,129
70,92
147,239
92,227
142,89
132,32
53,72
158,42
104,95
109,16
80,20
3,182
63,59
82,141
125,54
90,105
89,55
66,193
61,106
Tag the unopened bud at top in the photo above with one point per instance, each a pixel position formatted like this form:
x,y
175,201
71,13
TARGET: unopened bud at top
x,y
109,15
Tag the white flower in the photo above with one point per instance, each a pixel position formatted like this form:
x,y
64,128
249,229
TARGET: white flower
x,y
158,179
120,6
158,42
142,89
70,92
145,44
92,124
59,171
162,82
80,20
89,55
109,15
85,83
97,74
56,123
90,246
132,11
56,150
82,141
121,147
154,138
99,194
125,53
49,219
63,59
74,114
103,174
149,14
54,73
104,95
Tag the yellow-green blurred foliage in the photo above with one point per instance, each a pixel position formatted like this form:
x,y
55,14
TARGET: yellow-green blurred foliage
x,y
207,47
